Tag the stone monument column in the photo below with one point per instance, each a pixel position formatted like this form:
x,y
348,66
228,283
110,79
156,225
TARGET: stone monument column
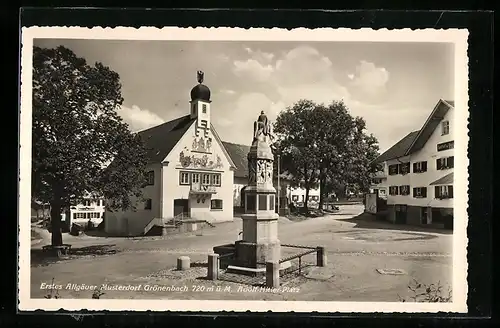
x,y
260,242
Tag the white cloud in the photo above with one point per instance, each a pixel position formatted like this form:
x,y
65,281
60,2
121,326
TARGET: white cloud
x,y
369,79
228,91
139,119
253,69
305,73
259,55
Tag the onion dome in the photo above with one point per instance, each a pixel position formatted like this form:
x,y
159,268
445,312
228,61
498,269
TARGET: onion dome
x,y
200,91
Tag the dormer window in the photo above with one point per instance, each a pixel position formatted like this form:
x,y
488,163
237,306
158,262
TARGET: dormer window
x,y
445,128
204,108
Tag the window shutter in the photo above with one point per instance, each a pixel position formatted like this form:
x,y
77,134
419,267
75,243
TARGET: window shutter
x,y
424,166
437,192
450,191
438,164
424,192
414,167
451,161
414,192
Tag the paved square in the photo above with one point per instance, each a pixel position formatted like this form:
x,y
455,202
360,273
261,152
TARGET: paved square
x,y
351,274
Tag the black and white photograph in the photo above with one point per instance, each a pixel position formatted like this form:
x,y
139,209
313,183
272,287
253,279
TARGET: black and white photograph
x,y
224,169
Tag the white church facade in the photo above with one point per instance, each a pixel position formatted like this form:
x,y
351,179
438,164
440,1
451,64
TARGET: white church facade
x,y
190,173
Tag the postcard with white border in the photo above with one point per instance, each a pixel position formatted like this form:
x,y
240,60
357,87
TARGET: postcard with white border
x,y
228,169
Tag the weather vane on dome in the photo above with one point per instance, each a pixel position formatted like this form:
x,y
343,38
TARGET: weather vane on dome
x,y
200,76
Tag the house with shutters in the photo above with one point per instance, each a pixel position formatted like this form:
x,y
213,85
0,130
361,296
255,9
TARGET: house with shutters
x,y
418,172
190,173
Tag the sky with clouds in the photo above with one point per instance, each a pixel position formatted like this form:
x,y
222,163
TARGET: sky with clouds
x,y
393,86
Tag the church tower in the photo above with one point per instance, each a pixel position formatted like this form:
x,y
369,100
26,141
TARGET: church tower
x,y
200,107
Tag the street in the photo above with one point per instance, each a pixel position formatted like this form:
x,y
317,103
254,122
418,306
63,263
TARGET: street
x,y
358,248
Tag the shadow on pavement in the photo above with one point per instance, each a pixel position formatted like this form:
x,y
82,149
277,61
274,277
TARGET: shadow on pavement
x,y
41,257
369,221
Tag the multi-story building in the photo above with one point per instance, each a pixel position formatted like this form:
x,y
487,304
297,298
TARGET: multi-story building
x,y
420,172
89,209
190,173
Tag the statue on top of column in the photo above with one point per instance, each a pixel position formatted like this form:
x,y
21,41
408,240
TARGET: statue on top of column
x,y
261,128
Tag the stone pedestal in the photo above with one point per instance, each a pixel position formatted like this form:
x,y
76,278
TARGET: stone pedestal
x,y
259,244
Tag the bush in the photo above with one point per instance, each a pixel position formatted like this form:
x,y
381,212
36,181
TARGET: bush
x,y
432,293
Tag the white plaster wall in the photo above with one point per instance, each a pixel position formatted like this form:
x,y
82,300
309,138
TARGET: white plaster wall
x,y
133,222
398,180
429,153
171,189
238,184
81,208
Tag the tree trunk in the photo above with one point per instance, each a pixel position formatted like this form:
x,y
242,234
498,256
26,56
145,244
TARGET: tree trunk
x,y
55,222
321,191
306,208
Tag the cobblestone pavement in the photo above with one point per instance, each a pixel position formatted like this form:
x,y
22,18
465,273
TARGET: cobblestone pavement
x,y
355,252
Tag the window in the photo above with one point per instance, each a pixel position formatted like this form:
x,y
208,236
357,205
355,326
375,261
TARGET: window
x,y
420,167
184,178
150,178
216,204
204,108
205,179
444,163
215,180
148,204
74,216
295,198
404,190
445,127
393,190
393,169
195,178
443,192
404,168
420,192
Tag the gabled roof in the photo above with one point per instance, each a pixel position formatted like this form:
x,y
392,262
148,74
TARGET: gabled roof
x,y
399,149
161,139
238,154
446,180
437,115
224,150
415,140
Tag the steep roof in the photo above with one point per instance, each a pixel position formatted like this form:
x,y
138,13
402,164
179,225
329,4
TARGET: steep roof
x,y
399,149
437,115
415,140
447,179
238,154
161,139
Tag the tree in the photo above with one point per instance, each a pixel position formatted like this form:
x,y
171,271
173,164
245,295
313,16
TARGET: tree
x,y
295,142
77,132
348,150
325,146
